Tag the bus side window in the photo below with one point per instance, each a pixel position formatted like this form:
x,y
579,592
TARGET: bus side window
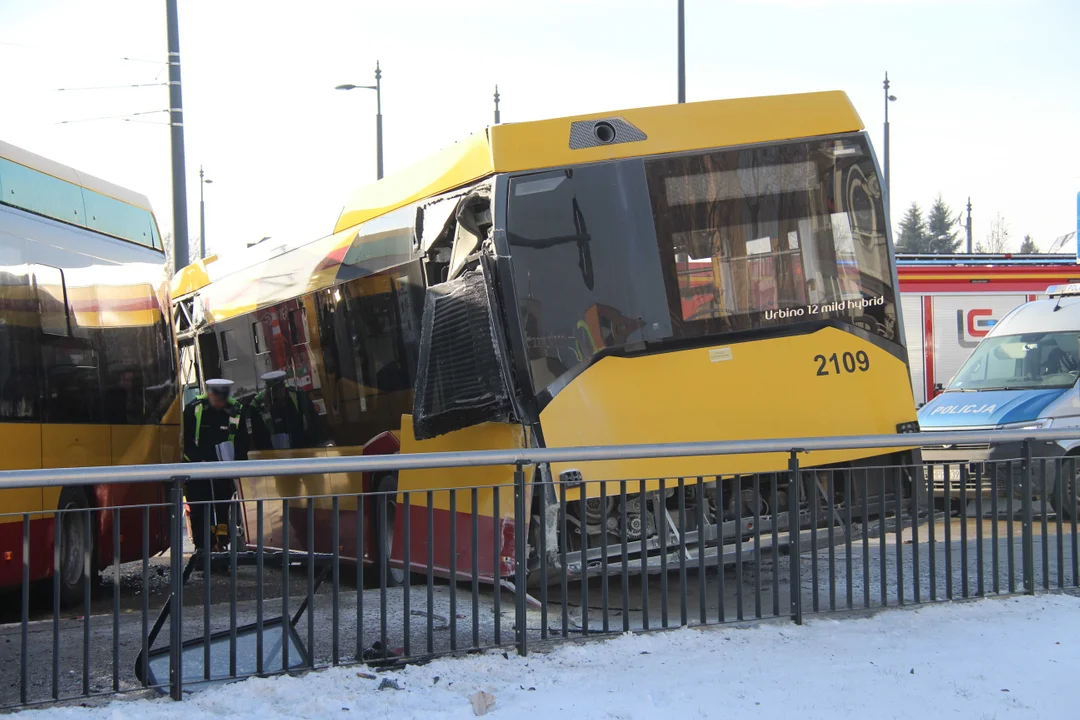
x,y
226,336
72,387
238,356
52,298
20,351
259,338
209,355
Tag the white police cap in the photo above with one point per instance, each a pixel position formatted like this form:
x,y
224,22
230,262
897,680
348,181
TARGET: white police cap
x,y
273,376
219,386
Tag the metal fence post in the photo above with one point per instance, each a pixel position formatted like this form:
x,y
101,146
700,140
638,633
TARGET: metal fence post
x,y
1028,523
794,527
176,587
521,531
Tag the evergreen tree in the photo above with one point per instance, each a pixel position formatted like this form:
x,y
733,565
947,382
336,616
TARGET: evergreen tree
x,y
941,235
913,238
1028,247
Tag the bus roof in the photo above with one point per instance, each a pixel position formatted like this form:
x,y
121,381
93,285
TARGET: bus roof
x,y
515,147
73,176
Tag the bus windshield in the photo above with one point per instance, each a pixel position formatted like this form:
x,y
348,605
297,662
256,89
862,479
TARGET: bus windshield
x,y
1016,362
616,256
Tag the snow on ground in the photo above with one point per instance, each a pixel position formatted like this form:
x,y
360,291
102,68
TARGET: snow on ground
x,y
999,658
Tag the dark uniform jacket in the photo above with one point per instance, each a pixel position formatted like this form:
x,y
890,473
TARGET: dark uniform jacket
x,y
290,412
206,427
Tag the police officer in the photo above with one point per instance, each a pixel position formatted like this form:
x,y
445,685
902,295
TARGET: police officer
x,y
281,417
211,423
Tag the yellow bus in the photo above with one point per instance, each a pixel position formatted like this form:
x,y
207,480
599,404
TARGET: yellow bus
x,y
87,362
707,271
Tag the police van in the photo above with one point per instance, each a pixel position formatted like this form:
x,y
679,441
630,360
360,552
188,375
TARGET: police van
x,y
1022,375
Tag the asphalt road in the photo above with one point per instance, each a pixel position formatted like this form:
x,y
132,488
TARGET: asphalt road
x,y
757,587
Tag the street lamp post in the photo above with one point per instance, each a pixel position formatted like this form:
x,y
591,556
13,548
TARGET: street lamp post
x,y
888,99
682,54
176,133
967,226
377,87
202,213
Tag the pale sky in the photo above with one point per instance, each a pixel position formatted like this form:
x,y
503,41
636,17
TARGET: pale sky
x,y
987,90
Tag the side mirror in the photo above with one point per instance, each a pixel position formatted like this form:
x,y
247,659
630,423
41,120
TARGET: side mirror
x,y
418,228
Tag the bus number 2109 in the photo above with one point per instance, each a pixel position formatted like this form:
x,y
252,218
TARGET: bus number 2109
x,y
838,363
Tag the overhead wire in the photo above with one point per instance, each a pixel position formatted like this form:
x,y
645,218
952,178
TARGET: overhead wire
x,y
80,53
113,87
111,117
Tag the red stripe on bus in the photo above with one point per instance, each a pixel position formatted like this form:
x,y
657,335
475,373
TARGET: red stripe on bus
x,y
106,304
334,258
965,286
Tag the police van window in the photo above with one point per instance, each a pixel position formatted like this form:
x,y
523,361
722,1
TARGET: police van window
x,y
226,338
52,300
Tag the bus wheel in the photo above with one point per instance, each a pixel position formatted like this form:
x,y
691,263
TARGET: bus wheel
x,y
1066,496
384,532
72,572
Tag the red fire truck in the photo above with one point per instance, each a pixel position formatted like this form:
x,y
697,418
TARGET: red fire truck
x,y
950,302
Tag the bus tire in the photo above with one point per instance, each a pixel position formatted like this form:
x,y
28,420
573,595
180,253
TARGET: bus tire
x,y
72,572
1062,496
384,534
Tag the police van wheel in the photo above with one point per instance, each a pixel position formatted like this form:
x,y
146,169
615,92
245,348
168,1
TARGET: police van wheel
x,y
72,572
384,533
1065,499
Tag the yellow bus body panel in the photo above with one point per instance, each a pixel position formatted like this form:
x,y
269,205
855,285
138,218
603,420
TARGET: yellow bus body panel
x,y
486,436
751,390
135,444
677,128
169,443
457,165
74,446
318,485
22,451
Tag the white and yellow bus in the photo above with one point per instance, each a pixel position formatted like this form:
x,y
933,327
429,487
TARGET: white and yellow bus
x,y
87,362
